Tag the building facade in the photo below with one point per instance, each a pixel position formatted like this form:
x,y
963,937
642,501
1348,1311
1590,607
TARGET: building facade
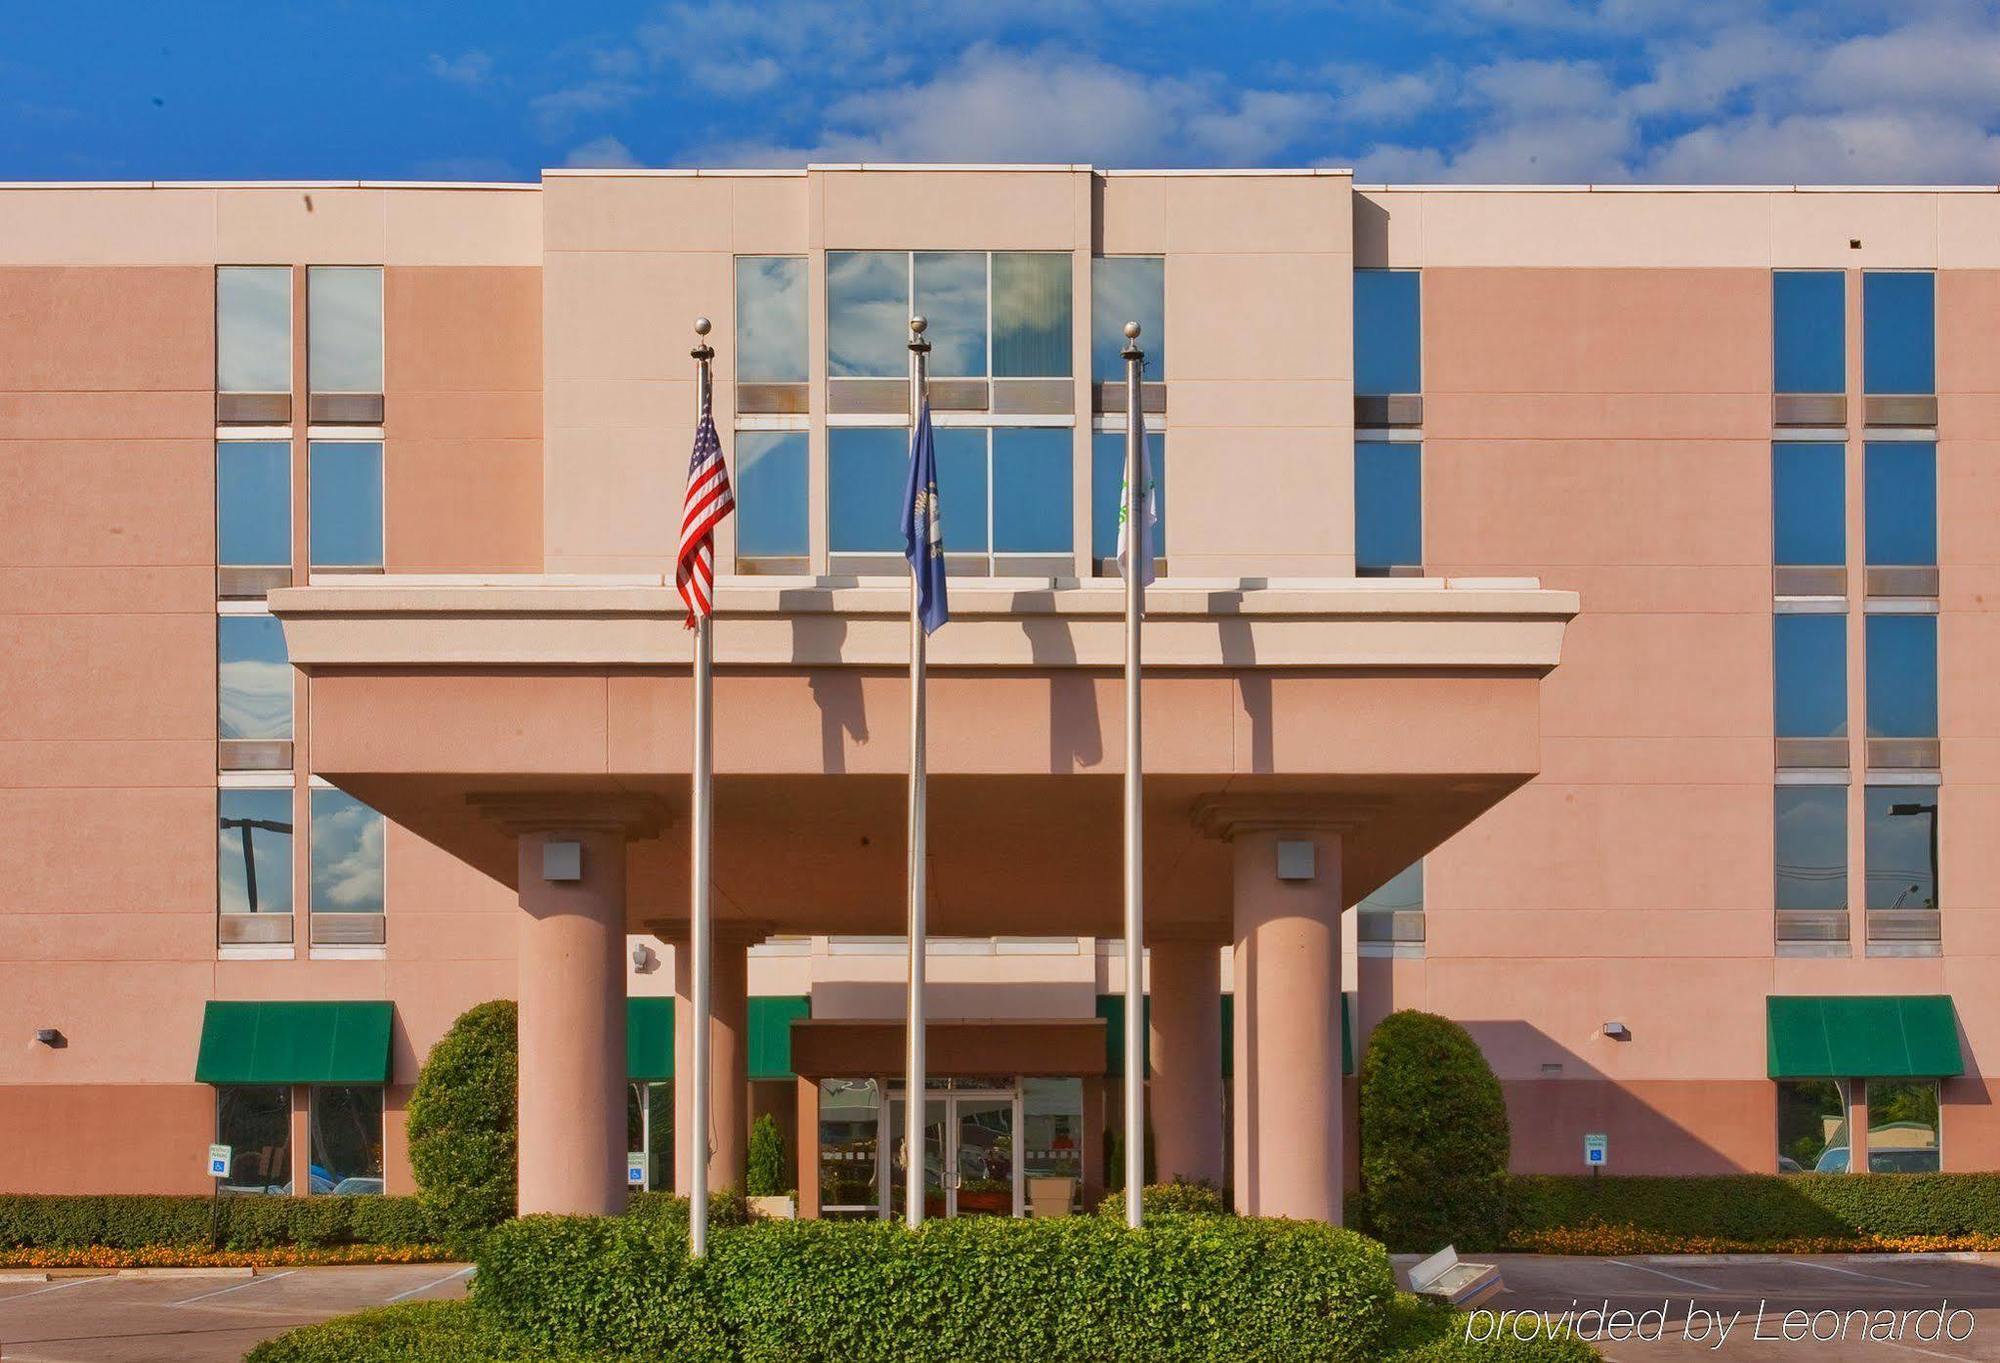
x,y
1570,621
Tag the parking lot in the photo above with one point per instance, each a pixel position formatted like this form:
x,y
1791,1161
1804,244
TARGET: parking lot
x,y
108,1319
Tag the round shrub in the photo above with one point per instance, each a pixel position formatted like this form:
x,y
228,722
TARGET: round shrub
x,y
1182,1197
1434,1139
765,1175
462,1122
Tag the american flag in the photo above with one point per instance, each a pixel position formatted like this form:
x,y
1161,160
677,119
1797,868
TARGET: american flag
x,y
709,499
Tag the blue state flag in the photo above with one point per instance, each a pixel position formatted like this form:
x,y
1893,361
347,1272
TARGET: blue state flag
x,y
923,532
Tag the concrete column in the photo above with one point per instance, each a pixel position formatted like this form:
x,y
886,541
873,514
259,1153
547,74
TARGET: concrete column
x,y
1186,1025
728,1053
807,1148
1857,1126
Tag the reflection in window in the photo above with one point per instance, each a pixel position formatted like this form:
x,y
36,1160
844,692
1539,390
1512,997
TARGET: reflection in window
x,y
1031,315
1903,1126
1052,1111
1127,289
253,680
253,329
951,298
1812,1126
1388,506
347,841
866,470
1901,847
1388,348
770,478
964,488
346,503
1402,893
1902,676
649,1126
867,314
1033,490
253,859
1107,490
1808,503
1898,332
344,328
1811,675
848,1133
255,1122
346,1124
1901,512
253,503
1809,331
771,319
1004,490
1810,846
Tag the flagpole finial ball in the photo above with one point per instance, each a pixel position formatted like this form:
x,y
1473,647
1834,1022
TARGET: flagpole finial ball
x,y
917,324
1131,331
702,326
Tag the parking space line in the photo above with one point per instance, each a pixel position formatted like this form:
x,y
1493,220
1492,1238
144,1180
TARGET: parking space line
x,y
238,1287
1661,1273
1927,1353
57,1287
449,1277
1857,1273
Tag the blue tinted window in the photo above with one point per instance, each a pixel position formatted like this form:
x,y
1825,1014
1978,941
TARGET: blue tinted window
x,y
253,858
951,298
1808,503
961,470
1033,491
1902,676
866,471
1809,331
1031,314
253,680
346,478
1898,333
1388,505
770,494
1811,675
1901,514
1387,332
253,503
771,318
1900,843
867,313
1811,847
1127,289
1403,893
1107,486
346,854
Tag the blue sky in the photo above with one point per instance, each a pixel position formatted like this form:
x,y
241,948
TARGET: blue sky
x,y
1478,90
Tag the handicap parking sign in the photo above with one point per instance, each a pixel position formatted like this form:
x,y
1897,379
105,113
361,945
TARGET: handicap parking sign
x,y
218,1161
1596,1150
635,1169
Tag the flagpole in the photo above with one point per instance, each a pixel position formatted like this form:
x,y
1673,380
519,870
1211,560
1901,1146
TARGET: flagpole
x,y
700,843
913,1057
1137,542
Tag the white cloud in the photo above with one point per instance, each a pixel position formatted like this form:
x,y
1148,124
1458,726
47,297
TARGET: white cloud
x,y
468,68
601,153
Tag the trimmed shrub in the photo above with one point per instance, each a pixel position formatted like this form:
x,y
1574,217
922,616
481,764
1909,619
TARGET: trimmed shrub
x,y
1179,1290
239,1223
725,1208
1434,1137
463,1116
765,1174
1182,1197
416,1332
1763,1207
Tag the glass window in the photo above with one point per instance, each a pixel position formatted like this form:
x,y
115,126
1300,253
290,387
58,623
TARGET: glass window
x,y
1812,1126
1031,315
770,494
1403,893
1901,514
1033,491
1901,847
951,298
346,854
1809,331
1388,332
848,1133
255,1122
1809,503
1903,1126
253,679
1898,333
346,503
867,468
253,503
771,319
1127,289
253,857
1388,505
1902,676
344,328
346,1126
1810,846
253,329
1052,1114
1811,675
963,487
1107,490
649,1126
867,314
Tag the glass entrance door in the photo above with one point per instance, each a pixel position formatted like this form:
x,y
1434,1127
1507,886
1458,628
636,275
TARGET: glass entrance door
x,y
935,1156
970,1164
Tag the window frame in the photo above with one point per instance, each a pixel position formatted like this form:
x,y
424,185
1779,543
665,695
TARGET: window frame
x,y
1385,440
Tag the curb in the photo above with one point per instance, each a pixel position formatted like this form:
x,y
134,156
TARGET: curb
x,y
187,1272
11,1276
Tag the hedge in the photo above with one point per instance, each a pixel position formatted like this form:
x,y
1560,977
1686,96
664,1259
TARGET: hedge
x,y
415,1332
1179,1290
243,1223
1434,1137
1762,1207
1182,1197
463,1121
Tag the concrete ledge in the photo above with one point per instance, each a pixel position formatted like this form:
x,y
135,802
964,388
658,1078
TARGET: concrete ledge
x,y
187,1272
20,1276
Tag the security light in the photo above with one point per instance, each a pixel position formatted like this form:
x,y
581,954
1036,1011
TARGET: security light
x,y
1617,1031
51,1037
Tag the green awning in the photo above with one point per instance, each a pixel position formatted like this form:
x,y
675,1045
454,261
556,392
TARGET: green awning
x,y
1111,1007
649,1036
294,1043
1885,1036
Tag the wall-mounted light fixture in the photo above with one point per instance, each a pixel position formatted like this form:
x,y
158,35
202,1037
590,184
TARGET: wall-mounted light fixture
x,y
1617,1031
51,1037
643,957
